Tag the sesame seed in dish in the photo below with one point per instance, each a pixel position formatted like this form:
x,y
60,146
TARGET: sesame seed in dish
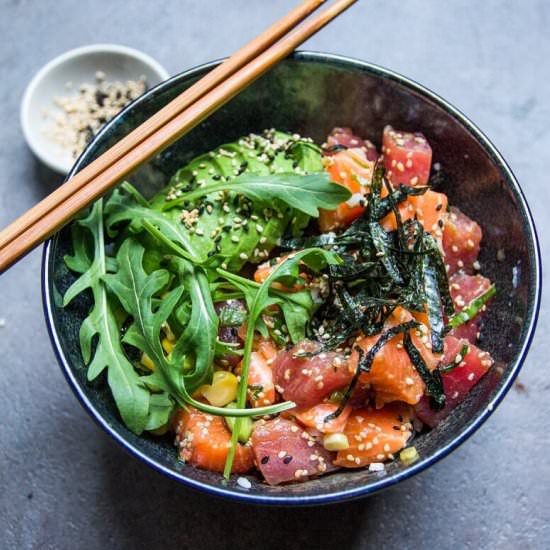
x,y
83,112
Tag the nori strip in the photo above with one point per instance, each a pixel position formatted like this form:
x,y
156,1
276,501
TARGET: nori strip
x,y
434,384
433,304
381,241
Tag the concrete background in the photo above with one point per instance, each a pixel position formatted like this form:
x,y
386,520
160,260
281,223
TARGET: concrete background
x,y
65,484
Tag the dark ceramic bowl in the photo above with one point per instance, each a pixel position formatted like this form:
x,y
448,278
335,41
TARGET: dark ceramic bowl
x,y
310,93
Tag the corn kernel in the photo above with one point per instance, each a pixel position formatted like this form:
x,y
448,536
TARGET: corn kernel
x,y
167,345
335,442
147,362
198,393
409,455
223,389
168,331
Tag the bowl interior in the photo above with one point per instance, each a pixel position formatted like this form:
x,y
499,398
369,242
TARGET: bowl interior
x,y
62,78
309,94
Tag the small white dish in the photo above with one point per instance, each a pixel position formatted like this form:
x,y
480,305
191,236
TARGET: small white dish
x,y
78,66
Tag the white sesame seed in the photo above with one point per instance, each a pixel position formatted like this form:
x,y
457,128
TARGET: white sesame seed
x,y
244,483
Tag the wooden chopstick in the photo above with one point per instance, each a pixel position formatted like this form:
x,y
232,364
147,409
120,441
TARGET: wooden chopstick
x,y
159,119
164,136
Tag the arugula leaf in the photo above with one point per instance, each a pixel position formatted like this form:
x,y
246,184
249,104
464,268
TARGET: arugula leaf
x,y
125,208
160,411
287,273
304,193
200,335
129,392
297,313
297,307
138,291
135,290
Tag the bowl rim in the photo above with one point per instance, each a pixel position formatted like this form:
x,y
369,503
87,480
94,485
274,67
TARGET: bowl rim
x,y
29,133
388,480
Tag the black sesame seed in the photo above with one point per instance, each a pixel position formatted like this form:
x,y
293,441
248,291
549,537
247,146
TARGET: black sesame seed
x,y
100,98
265,460
287,459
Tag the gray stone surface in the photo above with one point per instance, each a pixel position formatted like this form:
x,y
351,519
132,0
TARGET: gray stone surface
x,y
65,484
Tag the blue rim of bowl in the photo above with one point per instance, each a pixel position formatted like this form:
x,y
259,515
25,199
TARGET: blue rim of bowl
x,y
348,494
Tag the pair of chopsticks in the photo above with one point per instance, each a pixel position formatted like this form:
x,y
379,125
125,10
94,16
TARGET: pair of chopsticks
x,y
166,126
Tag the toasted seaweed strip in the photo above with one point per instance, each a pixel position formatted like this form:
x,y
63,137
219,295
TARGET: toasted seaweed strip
x,y
398,220
345,272
365,361
433,304
382,244
442,278
384,206
434,385
373,205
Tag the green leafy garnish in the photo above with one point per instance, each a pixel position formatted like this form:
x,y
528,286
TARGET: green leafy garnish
x,y
472,309
130,393
138,291
459,357
304,193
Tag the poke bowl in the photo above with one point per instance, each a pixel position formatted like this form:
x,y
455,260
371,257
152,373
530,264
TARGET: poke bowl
x,y
308,95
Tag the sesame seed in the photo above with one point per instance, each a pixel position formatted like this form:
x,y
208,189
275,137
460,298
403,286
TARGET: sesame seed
x,y
244,483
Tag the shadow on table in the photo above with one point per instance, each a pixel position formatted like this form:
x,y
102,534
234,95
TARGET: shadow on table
x,y
153,511
43,180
